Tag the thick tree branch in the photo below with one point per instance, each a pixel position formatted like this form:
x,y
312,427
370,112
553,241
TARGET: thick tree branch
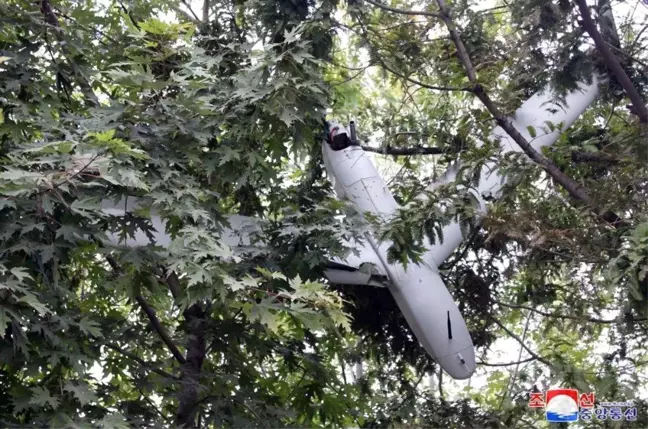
x,y
441,394
191,366
157,327
572,187
577,157
150,313
195,318
456,38
205,11
612,62
196,326
607,24
171,279
406,133
404,11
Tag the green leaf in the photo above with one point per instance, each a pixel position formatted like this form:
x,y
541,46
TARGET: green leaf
x,y
288,116
104,136
340,319
82,392
243,283
21,274
113,421
5,319
90,327
34,303
6,203
41,397
269,274
270,319
228,155
86,207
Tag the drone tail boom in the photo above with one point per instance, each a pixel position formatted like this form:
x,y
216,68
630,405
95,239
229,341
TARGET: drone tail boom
x,y
541,121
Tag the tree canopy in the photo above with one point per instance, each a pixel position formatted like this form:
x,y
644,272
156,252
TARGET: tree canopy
x,y
201,110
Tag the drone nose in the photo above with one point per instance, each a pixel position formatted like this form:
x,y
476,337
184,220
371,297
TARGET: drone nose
x,y
460,365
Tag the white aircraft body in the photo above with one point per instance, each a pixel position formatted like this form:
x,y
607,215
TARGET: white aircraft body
x,y
418,290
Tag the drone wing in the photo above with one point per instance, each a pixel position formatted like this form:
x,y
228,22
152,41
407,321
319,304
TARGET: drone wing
x,y
244,233
532,120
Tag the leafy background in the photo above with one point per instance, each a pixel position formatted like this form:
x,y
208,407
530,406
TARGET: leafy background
x,y
211,109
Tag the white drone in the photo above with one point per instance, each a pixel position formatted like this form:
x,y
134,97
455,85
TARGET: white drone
x,y
418,290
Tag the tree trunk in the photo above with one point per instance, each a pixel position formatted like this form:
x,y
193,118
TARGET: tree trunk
x,y
191,369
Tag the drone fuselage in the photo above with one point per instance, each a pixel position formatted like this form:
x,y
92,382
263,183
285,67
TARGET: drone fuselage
x,y
418,290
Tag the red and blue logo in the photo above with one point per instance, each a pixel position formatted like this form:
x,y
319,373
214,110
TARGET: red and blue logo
x,y
562,405
567,406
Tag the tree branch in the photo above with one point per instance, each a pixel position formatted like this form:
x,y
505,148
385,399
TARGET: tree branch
x,y
404,11
52,20
130,16
150,313
424,85
398,151
612,62
140,361
171,279
456,38
185,14
188,408
205,11
557,316
191,366
349,79
191,370
157,327
607,24
441,394
184,2
513,378
351,68
152,405
524,346
573,188
593,157
531,359
85,27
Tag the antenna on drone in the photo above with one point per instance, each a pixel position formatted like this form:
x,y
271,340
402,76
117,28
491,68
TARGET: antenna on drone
x,y
352,133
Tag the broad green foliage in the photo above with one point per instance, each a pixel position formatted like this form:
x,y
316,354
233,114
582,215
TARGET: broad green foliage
x,y
219,110
172,125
